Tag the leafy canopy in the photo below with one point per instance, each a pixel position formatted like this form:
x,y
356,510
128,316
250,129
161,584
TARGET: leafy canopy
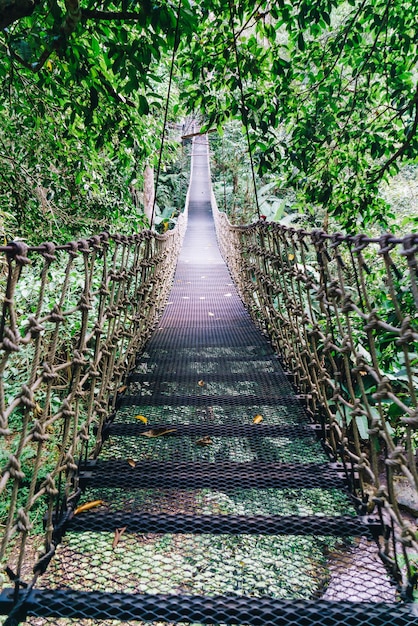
x,y
327,89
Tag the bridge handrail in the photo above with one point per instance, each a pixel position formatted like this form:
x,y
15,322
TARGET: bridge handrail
x,y
73,319
342,312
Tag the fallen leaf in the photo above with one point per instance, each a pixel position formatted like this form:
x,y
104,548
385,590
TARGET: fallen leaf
x,y
204,441
87,506
201,383
211,314
257,419
158,432
122,389
118,534
37,411
142,418
131,462
290,256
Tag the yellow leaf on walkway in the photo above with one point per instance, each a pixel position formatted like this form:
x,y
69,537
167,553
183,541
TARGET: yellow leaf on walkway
x,y
257,419
87,506
142,418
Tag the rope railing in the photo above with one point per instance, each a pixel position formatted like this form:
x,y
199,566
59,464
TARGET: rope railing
x,y
73,319
342,312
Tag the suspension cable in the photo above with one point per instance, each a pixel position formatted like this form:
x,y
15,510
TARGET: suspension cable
x,y
170,80
243,106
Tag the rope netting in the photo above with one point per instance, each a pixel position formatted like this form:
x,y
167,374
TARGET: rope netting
x,y
73,319
342,313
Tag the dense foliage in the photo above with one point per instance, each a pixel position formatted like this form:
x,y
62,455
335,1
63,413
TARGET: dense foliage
x,y
328,92
82,116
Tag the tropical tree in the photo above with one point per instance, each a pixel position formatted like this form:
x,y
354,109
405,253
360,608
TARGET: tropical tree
x,y
328,91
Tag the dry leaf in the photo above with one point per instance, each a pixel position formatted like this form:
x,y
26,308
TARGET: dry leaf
x,y
87,506
204,441
257,419
142,418
118,534
290,256
122,389
37,411
201,383
211,314
131,462
158,432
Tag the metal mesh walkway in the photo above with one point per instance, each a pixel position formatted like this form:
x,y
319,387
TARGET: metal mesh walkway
x,y
216,503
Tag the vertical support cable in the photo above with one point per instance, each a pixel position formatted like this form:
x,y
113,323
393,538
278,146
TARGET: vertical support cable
x,y
243,107
170,80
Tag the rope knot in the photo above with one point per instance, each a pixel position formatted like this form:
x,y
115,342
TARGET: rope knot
x,y
407,334
387,242
10,341
19,253
362,462
372,321
56,315
407,536
334,290
347,304
396,457
383,390
48,373
412,419
69,462
38,432
27,397
78,358
66,411
337,239
346,345
48,251
410,248
361,241
84,436
83,303
34,327
14,468
83,246
73,249
358,410
96,242
23,521
50,486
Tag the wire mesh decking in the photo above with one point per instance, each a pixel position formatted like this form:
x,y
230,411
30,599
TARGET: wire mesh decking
x,y
214,500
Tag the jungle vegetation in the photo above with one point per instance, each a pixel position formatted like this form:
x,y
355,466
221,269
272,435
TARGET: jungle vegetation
x,y
324,93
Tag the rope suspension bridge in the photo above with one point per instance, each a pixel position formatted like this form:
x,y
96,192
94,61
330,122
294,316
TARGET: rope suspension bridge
x,y
173,456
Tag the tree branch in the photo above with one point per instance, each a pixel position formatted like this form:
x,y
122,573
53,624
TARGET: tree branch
x,y
95,14
402,149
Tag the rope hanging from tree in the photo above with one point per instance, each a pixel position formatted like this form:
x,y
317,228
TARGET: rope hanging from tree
x,y
170,80
243,106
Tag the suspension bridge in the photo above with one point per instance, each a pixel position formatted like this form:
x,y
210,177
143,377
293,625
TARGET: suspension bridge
x,y
173,456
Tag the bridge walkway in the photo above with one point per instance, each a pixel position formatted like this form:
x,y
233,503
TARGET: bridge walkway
x,y
216,502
